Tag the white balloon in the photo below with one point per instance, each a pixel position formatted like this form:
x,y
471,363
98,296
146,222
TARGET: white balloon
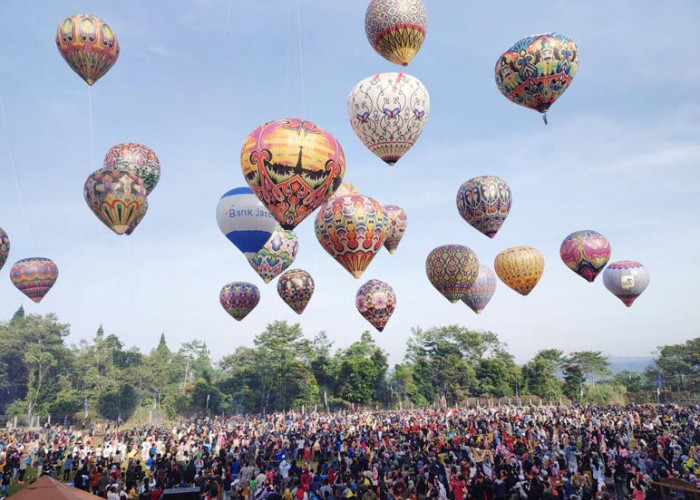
x,y
244,220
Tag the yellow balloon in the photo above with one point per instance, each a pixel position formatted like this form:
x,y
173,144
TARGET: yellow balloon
x,y
520,268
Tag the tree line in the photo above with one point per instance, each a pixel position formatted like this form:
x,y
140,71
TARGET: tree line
x,y
41,375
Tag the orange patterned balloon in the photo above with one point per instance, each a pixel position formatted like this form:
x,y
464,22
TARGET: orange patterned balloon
x,y
293,166
396,226
88,45
116,197
520,268
352,229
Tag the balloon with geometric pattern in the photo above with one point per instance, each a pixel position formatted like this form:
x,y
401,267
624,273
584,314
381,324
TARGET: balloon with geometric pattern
x,y
626,280
396,220
536,70
352,229
376,301
344,189
34,276
484,202
388,112
520,268
238,298
135,158
138,219
585,253
452,269
396,28
116,197
88,45
276,255
293,166
480,292
4,247
296,287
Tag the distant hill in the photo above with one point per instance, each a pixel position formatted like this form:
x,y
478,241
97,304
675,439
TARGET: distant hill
x,y
631,363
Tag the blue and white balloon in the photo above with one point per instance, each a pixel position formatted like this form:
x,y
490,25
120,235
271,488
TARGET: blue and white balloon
x,y
244,220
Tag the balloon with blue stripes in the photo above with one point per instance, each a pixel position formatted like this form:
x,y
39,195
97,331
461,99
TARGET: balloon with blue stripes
x,y
244,220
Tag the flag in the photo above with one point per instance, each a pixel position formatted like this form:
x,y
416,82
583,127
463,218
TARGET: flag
x,y
86,407
658,384
580,386
516,388
155,402
444,391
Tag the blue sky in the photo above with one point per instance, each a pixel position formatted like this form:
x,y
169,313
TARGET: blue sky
x,y
620,156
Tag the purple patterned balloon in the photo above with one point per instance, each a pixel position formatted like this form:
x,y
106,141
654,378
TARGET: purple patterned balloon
x,y
4,247
626,280
396,218
376,301
296,287
480,292
484,202
585,253
452,269
239,298
276,255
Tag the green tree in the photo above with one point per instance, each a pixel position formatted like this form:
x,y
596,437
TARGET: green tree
x,y
679,367
362,371
539,374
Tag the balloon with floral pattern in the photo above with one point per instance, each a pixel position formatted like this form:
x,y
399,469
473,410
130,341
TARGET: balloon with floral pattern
x,y
238,298
116,197
4,247
296,287
88,45
352,229
293,166
135,158
537,70
484,202
34,276
481,291
376,301
626,280
396,220
396,28
452,269
520,268
585,253
276,255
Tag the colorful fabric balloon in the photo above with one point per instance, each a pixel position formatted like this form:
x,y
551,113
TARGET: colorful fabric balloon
x,y
520,268
88,45
396,225
376,302
480,292
135,158
396,28
296,287
345,189
293,166
34,277
388,112
585,253
4,247
352,229
239,298
244,220
116,197
452,269
138,219
276,255
537,70
626,280
484,202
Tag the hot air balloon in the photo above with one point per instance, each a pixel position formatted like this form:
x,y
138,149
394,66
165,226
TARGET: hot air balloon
x,y
244,220
34,277
88,45
345,189
520,268
388,112
484,202
352,229
480,292
396,28
138,219
626,280
537,70
293,166
376,301
239,298
296,287
117,197
585,253
276,255
396,220
135,158
452,269
4,247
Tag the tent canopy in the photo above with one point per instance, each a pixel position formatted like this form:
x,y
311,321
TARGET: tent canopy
x,y
47,487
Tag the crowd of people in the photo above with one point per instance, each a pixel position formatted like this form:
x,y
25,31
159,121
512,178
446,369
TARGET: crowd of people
x,y
495,453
